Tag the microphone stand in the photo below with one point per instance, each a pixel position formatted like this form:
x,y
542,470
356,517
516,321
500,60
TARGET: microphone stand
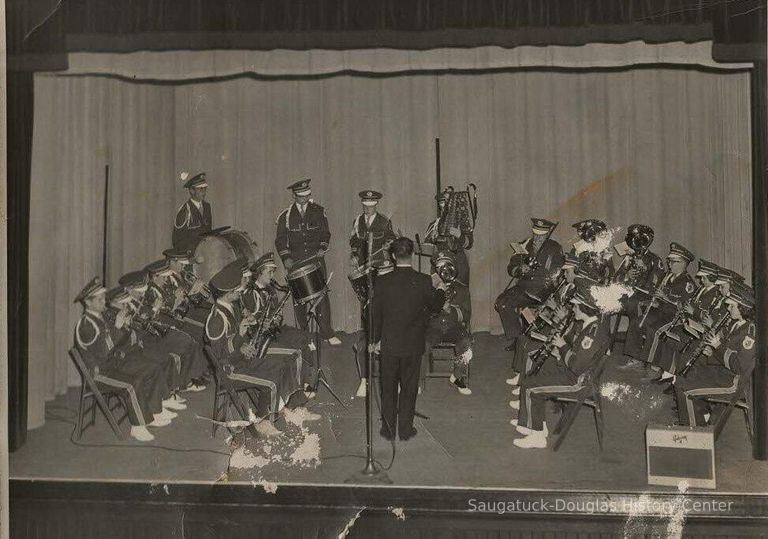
x,y
371,474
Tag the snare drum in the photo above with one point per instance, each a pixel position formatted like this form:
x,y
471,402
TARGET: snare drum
x,y
359,281
307,283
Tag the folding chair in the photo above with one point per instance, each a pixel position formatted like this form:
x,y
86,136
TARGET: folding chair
x,y
741,399
615,335
226,394
589,396
91,397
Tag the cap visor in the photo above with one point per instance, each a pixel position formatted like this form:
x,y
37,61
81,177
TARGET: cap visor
x,y
303,193
370,202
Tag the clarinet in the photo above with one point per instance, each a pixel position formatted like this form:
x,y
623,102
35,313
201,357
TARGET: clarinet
x,y
540,356
726,319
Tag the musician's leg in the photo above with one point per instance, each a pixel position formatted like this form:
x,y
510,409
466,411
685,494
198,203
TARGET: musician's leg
x,y
508,306
409,383
300,311
388,378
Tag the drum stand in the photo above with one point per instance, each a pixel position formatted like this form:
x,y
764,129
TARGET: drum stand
x,y
313,322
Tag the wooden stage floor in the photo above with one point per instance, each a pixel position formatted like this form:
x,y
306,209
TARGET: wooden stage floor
x,y
466,442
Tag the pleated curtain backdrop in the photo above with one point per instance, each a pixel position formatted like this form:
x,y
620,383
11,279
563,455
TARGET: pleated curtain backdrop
x,y
667,147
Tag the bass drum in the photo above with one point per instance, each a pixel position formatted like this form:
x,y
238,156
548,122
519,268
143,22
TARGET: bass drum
x,y
216,251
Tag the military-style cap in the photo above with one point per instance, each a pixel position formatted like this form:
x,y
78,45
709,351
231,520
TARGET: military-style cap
x,y
707,269
370,198
91,290
117,295
229,277
244,266
384,267
726,276
158,267
571,261
174,253
742,294
583,297
266,260
541,226
678,251
197,180
301,188
589,228
133,279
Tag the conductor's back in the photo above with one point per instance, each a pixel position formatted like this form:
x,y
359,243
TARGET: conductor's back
x,y
403,301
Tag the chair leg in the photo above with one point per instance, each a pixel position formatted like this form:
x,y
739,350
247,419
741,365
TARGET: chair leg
x,y
722,419
559,426
748,421
215,415
599,421
569,418
80,412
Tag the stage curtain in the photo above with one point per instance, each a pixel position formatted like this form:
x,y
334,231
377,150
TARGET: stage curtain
x,y
666,147
82,125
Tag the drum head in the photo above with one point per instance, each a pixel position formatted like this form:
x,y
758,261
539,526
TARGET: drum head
x,y
306,269
218,250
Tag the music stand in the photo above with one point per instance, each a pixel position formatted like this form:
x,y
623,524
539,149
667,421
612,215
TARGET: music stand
x,y
312,319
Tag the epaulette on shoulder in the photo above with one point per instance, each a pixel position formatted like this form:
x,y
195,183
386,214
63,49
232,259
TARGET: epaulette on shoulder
x,y
284,212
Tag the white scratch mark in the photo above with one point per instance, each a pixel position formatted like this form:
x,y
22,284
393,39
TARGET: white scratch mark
x,y
399,512
349,525
165,488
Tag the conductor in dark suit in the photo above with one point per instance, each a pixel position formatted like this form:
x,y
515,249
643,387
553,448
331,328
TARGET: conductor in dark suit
x,y
403,301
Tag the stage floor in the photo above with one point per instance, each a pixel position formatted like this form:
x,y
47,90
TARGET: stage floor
x,y
466,442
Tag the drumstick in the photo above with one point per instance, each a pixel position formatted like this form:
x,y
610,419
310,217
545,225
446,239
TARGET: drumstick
x,y
311,257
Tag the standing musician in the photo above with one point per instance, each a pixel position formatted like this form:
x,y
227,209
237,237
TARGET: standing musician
x,y
592,250
117,365
450,324
731,360
532,273
573,354
146,304
370,221
226,331
302,238
673,292
671,340
457,241
260,301
402,303
193,218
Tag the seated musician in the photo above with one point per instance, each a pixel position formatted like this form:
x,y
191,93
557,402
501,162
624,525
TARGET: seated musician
x,y
446,235
226,331
147,302
260,300
532,273
730,354
568,359
360,347
672,340
548,315
450,324
117,365
192,297
673,292
593,250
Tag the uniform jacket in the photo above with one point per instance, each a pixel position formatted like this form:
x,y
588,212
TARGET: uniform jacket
x,y
190,224
550,258
703,300
299,238
582,345
737,353
358,240
403,301
650,274
222,332
99,341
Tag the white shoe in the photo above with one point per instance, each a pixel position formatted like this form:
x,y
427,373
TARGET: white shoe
x,y
334,341
141,433
706,417
312,346
524,430
167,414
310,394
361,389
535,440
159,421
514,380
177,398
194,387
174,405
516,391
666,375
515,405
419,390
267,428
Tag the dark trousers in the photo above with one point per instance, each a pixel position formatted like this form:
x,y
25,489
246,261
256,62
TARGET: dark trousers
x,y
323,311
399,372
511,302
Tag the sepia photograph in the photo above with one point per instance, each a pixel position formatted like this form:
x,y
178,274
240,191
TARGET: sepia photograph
x,y
386,268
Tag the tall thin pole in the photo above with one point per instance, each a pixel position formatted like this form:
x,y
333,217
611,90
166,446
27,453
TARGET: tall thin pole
x,y
106,226
437,174
370,466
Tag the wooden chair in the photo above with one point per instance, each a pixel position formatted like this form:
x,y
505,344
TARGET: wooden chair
x,y
588,396
741,399
92,397
227,394
616,337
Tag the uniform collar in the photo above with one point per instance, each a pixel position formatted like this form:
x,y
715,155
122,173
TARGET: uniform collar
x,y
227,305
94,314
588,322
198,205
